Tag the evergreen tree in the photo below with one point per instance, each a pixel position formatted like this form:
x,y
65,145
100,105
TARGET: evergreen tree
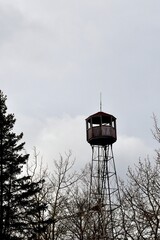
x,y
19,209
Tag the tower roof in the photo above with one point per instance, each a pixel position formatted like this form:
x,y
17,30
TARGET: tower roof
x,y
105,117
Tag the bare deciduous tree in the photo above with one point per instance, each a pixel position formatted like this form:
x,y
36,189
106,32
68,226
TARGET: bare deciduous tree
x,y
60,184
141,197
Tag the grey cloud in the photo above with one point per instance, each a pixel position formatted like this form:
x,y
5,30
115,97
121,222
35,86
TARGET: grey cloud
x,y
56,57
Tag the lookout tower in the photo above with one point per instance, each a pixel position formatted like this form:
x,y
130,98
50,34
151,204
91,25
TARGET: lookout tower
x,y
104,191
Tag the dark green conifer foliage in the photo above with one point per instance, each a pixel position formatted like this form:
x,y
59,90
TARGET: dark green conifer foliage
x,y
19,209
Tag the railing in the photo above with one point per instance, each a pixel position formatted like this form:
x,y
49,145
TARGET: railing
x,y
101,131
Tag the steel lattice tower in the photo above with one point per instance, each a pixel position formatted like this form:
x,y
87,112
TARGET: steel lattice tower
x,y
104,190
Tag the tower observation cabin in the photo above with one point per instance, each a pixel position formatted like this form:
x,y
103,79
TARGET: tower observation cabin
x,y
101,129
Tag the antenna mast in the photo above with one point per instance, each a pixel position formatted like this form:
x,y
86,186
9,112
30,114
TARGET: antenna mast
x,y
100,102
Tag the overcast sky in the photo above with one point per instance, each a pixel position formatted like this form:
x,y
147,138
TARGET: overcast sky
x,y
56,56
